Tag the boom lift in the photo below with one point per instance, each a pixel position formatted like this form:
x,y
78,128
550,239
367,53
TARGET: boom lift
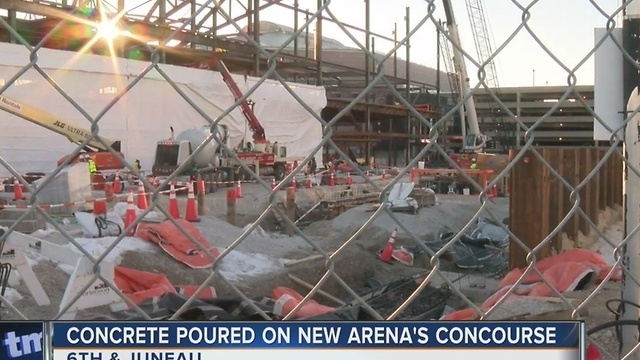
x,y
259,138
100,154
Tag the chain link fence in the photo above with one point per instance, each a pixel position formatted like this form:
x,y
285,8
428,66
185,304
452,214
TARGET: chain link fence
x,y
447,269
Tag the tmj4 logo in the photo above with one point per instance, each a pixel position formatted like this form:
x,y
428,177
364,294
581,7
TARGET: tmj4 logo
x,y
22,345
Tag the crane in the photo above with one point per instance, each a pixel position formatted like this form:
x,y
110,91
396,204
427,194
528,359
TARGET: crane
x,y
484,50
482,39
96,150
259,137
474,140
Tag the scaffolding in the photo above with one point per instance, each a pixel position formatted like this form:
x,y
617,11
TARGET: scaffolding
x,y
198,28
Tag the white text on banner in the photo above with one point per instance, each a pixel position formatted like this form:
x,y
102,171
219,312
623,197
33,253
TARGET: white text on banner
x,y
317,354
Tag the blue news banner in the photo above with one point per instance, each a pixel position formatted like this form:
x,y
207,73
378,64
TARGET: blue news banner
x,y
317,341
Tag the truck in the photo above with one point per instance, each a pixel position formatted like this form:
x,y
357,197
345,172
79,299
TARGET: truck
x,y
95,149
212,164
209,164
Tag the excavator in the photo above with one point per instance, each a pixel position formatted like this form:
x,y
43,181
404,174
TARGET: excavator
x,y
97,151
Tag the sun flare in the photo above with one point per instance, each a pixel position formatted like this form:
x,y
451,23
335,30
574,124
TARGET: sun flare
x,y
108,30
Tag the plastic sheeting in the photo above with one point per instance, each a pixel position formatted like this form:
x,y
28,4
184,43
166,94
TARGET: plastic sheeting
x,y
143,116
221,309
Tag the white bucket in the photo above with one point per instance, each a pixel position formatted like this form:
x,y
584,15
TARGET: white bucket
x,y
420,164
466,191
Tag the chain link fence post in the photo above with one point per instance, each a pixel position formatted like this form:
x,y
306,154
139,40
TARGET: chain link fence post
x,y
631,250
631,203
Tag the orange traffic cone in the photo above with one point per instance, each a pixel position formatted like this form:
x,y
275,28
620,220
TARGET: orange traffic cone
x,y
99,207
202,188
349,180
332,180
17,190
309,182
142,197
592,353
294,184
191,214
174,210
289,299
239,190
130,215
273,184
386,254
117,184
108,191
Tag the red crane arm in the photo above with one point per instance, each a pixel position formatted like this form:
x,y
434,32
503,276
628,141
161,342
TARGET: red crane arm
x,y
254,124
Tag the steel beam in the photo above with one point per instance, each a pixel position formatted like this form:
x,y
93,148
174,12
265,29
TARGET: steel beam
x,y
193,36
375,108
307,12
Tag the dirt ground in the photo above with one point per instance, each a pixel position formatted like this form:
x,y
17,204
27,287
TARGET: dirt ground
x,y
257,264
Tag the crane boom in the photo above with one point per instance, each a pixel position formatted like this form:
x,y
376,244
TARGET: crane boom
x,y
252,120
471,142
51,122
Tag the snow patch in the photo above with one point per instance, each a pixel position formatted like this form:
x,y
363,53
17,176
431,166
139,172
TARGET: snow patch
x,y
12,295
258,232
614,235
238,265
95,247
34,258
98,246
42,233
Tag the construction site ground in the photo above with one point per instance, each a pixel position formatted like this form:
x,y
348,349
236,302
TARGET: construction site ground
x,y
257,264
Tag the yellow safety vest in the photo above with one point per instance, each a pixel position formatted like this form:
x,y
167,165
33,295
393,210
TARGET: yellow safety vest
x,y
92,166
474,166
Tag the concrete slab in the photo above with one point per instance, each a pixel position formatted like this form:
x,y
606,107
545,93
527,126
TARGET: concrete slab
x,y
34,221
476,287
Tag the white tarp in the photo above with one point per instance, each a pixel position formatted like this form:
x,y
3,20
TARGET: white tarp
x,y
143,116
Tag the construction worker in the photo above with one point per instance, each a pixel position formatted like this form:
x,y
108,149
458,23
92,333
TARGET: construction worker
x,y
312,166
136,166
474,165
347,193
89,160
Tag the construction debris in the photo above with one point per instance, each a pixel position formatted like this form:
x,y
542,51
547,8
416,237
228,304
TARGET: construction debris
x,y
399,199
484,248
260,263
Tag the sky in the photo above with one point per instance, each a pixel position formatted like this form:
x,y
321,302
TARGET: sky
x,y
566,27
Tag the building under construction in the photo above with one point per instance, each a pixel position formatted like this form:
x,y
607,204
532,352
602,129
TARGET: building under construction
x,y
376,129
